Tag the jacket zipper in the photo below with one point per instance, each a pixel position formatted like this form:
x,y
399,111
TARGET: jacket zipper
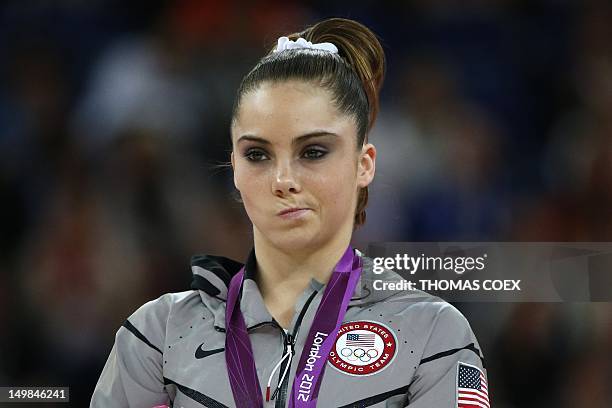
x,y
290,339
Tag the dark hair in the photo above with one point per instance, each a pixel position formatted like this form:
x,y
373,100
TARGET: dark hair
x,y
354,76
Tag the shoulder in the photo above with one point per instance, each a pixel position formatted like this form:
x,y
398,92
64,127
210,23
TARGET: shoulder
x,y
440,327
161,308
423,311
431,315
150,321
437,326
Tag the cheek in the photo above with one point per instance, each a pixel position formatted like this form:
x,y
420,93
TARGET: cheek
x,y
335,187
250,182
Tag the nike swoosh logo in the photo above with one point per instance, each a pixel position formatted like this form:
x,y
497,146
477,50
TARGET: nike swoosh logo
x,y
201,353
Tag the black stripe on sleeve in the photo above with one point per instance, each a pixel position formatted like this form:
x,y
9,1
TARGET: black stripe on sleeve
x,y
138,334
196,395
446,353
375,399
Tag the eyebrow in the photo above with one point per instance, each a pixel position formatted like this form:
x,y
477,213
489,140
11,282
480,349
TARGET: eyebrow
x,y
296,140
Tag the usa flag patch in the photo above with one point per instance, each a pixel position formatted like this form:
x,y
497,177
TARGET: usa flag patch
x,y
472,388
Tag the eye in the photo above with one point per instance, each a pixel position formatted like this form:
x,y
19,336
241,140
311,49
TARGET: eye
x,y
255,155
314,153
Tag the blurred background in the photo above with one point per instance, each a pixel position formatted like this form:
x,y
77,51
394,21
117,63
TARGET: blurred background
x,y
495,125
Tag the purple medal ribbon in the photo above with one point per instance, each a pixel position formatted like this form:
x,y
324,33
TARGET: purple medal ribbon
x,y
319,342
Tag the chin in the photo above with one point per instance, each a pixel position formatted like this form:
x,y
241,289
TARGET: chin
x,y
295,240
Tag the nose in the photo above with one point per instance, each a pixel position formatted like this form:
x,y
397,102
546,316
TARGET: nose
x,y
285,180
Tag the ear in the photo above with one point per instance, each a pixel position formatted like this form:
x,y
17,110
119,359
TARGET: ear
x,y
233,169
367,165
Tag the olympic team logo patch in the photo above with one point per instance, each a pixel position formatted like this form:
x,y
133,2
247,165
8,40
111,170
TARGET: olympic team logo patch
x,y
363,348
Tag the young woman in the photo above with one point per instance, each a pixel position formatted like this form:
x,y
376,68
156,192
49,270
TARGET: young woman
x,y
300,323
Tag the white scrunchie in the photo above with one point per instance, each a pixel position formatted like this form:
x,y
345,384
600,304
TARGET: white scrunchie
x,y
285,43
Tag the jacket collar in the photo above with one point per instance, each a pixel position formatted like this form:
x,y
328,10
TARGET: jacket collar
x,y
212,275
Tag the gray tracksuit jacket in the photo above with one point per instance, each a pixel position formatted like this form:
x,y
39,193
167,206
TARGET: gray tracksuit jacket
x,y
394,349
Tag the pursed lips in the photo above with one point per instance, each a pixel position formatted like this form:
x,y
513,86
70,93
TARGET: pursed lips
x,y
293,212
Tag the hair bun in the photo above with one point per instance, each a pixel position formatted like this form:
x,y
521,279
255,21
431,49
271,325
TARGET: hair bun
x,y
359,47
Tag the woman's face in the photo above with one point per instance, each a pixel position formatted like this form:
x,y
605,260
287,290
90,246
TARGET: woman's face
x,y
296,164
